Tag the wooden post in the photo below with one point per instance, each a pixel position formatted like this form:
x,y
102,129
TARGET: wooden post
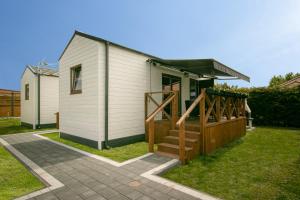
x,y
12,104
174,110
218,108
151,135
146,114
57,120
202,120
182,157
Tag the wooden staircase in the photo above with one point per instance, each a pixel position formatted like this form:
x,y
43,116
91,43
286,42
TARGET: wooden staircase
x,y
170,143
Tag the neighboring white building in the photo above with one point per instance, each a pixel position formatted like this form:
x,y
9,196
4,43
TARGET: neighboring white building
x,y
39,97
102,87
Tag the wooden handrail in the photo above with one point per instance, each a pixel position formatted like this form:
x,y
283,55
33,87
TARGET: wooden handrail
x,y
160,108
157,104
190,109
149,120
200,100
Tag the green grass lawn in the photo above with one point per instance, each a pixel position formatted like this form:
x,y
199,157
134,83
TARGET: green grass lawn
x,y
119,154
265,164
13,125
15,179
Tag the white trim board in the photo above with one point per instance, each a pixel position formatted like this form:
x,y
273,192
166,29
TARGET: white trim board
x,y
49,179
97,157
152,175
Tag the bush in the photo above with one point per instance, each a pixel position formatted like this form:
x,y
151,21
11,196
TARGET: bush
x,y
275,107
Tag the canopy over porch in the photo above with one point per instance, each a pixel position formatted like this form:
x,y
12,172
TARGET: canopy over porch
x,y
201,67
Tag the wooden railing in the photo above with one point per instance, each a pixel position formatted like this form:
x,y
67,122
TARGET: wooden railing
x,y
149,120
181,123
214,107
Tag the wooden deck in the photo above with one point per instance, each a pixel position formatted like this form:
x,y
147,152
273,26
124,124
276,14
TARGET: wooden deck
x,y
221,120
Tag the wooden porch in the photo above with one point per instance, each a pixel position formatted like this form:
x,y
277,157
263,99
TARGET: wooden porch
x,y
221,119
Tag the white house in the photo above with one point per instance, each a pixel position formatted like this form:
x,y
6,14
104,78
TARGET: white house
x,y
102,88
39,97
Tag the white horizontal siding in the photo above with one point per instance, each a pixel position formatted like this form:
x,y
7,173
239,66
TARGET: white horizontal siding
x,y
28,109
128,81
80,113
49,89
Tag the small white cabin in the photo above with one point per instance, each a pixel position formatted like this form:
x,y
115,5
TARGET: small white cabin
x,y
103,84
39,97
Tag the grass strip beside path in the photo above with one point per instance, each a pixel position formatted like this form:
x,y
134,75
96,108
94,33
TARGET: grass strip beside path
x,y
13,125
265,164
15,179
119,154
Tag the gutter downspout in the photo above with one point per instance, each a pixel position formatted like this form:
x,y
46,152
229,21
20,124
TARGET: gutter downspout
x,y
106,145
39,100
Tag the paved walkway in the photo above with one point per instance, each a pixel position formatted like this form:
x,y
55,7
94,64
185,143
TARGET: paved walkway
x,y
86,178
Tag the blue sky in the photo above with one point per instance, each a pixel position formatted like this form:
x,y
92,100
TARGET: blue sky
x,y
257,38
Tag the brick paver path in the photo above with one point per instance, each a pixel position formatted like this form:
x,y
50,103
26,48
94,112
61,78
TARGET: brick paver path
x,y
90,179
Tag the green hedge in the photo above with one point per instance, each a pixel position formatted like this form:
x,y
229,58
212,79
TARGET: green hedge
x,y
275,107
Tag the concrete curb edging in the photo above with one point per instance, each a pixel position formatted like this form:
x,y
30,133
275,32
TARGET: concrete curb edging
x,y
97,157
33,132
152,175
49,179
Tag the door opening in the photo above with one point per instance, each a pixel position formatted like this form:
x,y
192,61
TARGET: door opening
x,y
171,83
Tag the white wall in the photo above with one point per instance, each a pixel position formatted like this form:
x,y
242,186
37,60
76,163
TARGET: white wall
x,y
129,79
49,86
81,114
28,109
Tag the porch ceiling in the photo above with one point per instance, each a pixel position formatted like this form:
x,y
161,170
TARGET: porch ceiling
x,y
208,67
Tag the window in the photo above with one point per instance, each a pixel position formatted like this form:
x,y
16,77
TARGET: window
x,y
194,89
76,80
27,92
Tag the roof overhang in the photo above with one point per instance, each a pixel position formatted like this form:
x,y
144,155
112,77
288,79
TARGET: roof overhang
x,y
202,67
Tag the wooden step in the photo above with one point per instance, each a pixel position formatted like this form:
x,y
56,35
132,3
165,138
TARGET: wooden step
x,y
175,140
173,149
170,155
192,127
188,134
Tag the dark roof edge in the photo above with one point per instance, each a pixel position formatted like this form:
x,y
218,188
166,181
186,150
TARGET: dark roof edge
x,y
102,40
216,64
27,67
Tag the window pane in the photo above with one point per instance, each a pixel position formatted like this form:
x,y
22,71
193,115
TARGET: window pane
x,y
27,92
76,80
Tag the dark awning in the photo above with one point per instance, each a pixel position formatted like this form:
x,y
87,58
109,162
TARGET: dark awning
x,y
208,67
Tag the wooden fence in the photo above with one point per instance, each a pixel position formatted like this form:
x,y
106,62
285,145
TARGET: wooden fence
x,y
10,103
